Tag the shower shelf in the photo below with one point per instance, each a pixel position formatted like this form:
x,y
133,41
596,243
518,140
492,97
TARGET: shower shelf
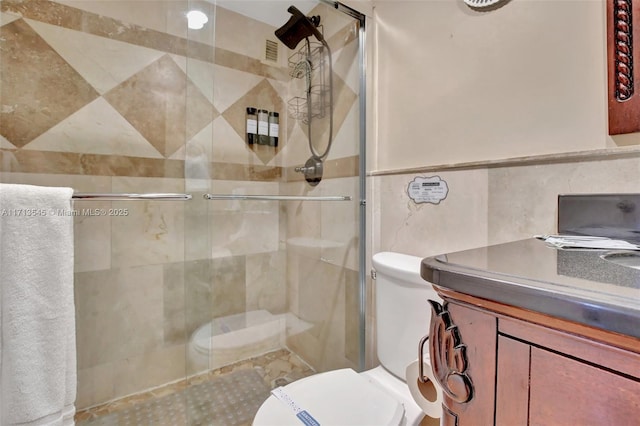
x,y
308,64
315,58
297,106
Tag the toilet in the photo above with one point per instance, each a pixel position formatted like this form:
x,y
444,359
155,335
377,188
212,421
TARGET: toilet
x,y
379,396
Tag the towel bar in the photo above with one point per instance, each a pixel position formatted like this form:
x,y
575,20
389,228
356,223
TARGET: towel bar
x,y
128,197
275,197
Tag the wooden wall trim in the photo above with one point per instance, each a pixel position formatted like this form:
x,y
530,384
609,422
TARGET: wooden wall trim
x,y
623,50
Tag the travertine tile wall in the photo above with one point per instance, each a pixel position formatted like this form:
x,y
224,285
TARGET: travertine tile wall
x,y
132,97
491,205
95,101
487,205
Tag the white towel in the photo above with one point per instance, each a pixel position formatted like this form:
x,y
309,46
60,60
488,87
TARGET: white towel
x,y
37,314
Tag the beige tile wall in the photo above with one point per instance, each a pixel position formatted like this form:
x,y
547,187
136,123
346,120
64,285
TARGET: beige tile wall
x,y
148,98
490,205
486,205
118,97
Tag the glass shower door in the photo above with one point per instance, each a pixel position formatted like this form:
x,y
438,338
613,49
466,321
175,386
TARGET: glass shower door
x,y
101,102
274,292
189,312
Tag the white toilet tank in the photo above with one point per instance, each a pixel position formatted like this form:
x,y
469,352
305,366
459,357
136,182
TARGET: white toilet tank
x,y
402,311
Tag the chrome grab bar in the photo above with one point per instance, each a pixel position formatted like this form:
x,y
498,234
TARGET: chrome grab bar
x,y
275,197
132,197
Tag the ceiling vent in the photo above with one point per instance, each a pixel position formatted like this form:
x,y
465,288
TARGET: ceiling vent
x,y
271,51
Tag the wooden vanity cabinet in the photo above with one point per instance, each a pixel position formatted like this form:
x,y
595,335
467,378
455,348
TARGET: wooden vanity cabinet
x,y
526,368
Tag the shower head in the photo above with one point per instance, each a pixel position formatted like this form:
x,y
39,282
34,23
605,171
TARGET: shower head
x,y
298,27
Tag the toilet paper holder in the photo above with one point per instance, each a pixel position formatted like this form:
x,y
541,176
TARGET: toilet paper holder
x,y
421,376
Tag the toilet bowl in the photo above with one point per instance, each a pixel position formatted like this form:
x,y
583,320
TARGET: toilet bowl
x,y
379,396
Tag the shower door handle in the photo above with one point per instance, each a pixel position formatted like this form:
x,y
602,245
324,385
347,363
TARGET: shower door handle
x,y
275,197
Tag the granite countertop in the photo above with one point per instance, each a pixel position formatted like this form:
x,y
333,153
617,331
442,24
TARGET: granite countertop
x,y
577,285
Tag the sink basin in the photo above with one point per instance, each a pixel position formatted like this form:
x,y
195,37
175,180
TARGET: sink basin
x,y
630,259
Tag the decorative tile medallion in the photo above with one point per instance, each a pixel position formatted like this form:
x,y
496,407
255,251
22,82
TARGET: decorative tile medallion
x,y
39,88
163,105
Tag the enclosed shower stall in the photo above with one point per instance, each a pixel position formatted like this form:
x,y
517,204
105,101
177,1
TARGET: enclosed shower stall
x,y
190,310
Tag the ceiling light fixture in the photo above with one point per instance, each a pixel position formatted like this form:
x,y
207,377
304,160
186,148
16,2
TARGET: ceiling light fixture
x,y
196,19
479,4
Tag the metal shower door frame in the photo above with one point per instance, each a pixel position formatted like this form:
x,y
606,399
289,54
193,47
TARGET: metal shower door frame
x,y
362,166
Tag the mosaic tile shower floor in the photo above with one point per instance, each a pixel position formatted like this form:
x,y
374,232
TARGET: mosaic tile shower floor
x,y
229,396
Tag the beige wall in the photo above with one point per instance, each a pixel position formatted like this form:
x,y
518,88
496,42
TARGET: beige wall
x,y
455,85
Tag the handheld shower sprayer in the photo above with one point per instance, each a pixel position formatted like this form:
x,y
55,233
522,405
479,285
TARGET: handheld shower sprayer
x,y
300,27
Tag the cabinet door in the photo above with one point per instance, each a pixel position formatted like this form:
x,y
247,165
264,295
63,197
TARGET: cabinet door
x,y
565,391
512,383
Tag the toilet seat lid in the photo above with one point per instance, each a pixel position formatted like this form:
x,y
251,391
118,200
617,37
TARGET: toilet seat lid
x,y
339,397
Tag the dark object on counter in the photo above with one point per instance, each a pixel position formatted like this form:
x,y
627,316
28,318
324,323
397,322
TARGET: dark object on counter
x,y
614,216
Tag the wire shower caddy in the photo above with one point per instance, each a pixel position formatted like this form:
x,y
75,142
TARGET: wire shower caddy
x,y
309,63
